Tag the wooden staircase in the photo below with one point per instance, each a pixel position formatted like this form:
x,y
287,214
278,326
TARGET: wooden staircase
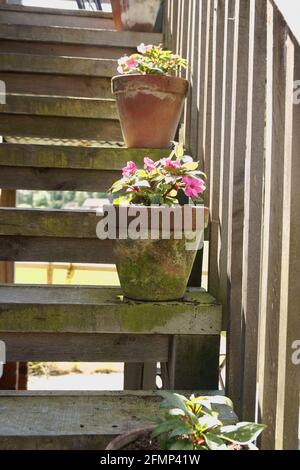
x,y
62,132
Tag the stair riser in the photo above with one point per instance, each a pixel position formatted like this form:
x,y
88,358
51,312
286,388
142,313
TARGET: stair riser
x,y
58,85
53,249
41,64
15,17
49,179
71,347
59,107
60,127
77,36
68,50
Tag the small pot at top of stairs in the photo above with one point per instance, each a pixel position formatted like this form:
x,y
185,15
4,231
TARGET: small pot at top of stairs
x,y
135,15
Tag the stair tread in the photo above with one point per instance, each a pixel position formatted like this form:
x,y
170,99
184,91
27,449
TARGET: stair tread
x,y
60,106
84,36
104,310
57,65
79,420
105,157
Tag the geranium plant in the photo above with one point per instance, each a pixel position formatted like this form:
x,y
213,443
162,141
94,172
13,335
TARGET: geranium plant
x,y
191,424
161,182
151,60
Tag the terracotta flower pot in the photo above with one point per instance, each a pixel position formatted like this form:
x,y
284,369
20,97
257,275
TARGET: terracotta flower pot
x,y
135,15
127,438
150,108
157,269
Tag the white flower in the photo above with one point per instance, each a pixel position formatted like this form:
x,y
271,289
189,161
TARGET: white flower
x,y
142,48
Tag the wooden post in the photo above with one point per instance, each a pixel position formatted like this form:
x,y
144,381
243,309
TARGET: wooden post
x,y
254,167
272,227
288,382
235,330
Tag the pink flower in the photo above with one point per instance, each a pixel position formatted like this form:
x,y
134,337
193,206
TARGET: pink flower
x,y
132,63
173,164
194,186
129,170
143,49
149,164
127,63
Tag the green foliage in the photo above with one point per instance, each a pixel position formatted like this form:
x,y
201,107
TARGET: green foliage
x,y
191,424
151,60
161,182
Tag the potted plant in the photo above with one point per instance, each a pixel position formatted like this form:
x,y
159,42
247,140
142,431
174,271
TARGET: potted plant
x,y
155,257
190,424
149,99
135,15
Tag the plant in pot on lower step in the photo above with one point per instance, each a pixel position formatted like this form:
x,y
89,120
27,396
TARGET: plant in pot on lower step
x,y
190,424
155,239
149,98
135,15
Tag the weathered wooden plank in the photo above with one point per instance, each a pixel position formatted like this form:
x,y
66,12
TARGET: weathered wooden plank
x,y
49,179
34,105
254,170
48,223
208,96
70,420
53,249
58,85
217,121
103,310
231,32
272,227
10,62
95,37
17,14
236,208
288,383
77,158
63,49
203,70
71,347
195,75
60,127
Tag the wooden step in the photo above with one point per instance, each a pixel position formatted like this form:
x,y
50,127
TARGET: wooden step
x,y
57,75
59,85
52,235
57,127
59,106
72,42
41,16
78,421
97,324
64,49
81,36
47,167
60,117
52,65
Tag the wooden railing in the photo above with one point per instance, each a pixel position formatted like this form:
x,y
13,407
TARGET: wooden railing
x,y
242,121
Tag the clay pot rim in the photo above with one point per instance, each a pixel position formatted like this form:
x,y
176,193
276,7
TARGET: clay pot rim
x,y
162,83
126,438
159,208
